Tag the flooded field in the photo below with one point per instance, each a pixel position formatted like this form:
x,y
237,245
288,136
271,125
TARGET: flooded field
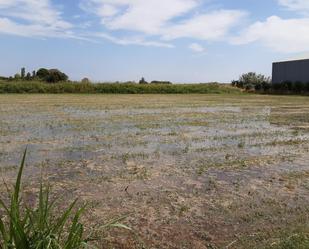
x,y
190,171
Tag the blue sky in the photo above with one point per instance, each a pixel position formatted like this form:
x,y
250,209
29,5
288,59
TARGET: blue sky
x,y
176,40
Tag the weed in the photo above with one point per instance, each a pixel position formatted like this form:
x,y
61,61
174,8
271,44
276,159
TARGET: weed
x,y
42,227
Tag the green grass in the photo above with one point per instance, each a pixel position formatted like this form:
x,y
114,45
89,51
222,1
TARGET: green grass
x,y
123,88
294,241
24,227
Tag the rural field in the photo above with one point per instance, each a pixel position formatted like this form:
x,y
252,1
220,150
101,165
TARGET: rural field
x,y
188,171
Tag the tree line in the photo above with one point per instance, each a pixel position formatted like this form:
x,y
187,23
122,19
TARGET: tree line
x,y
42,74
55,76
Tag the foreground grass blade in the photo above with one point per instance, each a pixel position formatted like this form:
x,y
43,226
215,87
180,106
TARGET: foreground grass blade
x,y
42,227
18,180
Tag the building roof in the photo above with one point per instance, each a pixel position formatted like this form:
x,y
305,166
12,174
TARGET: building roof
x,y
299,57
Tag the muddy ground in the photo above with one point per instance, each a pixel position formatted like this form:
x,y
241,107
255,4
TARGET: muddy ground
x,y
189,171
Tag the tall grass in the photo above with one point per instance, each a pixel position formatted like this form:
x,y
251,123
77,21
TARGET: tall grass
x,y
42,226
114,88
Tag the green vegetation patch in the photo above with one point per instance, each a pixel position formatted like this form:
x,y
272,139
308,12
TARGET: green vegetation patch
x,y
122,88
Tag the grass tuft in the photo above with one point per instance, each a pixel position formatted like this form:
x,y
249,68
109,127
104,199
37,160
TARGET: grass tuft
x,y
43,227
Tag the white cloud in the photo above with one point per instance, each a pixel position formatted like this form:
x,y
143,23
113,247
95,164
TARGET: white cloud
x,y
282,35
133,41
212,26
164,20
197,48
148,16
32,18
295,5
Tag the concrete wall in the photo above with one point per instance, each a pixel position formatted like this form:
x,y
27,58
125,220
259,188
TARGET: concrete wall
x,y
291,71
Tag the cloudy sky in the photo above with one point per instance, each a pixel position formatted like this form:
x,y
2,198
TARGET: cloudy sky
x,y
177,40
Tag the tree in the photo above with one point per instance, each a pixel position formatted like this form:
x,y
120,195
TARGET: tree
x,y
143,81
33,74
23,72
42,73
28,76
55,76
85,80
250,80
253,78
17,76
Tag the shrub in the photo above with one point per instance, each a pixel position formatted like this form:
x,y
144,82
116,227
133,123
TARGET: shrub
x,y
249,81
307,87
240,84
258,87
249,87
298,86
253,78
234,83
266,86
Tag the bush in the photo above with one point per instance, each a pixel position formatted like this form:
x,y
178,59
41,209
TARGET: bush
x,y
258,87
251,81
307,87
299,86
253,78
249,87
287,85
234,83
266,86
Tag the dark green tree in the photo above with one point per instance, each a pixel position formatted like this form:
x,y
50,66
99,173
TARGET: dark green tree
x,y
253,78
23,72
250,80
55,76
28,76
143,81
42,73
